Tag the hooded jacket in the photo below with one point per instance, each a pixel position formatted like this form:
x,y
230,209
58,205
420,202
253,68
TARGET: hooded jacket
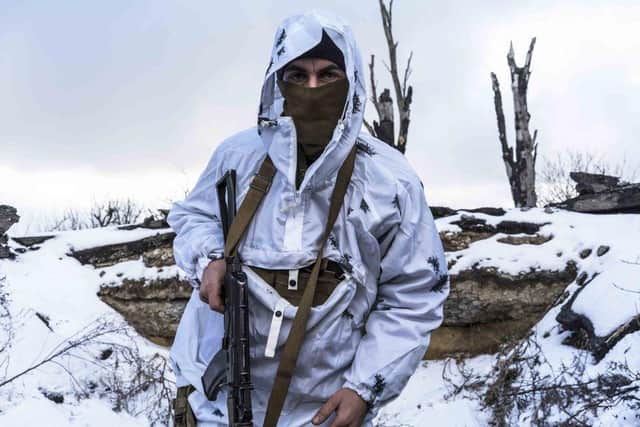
x,y
374,329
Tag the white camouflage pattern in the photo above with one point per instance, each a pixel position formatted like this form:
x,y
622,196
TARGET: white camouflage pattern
x,y
372,332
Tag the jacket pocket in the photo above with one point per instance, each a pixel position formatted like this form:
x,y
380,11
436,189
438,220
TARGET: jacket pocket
x,y
327,328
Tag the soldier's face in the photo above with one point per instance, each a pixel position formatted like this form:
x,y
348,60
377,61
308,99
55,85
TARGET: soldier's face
x,y
312,72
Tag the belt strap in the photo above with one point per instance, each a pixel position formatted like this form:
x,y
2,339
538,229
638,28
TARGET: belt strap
x,y
296,335
183,414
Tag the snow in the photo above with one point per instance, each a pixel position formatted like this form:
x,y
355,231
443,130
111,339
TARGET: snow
x,y
422,402
572,232
37,411
105,236
614,287
50,282
135,269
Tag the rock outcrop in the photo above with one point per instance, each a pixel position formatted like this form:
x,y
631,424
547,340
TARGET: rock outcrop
x,y
442,211
150,222
474,229
583,334
156,251
602,194
486,307
152,306
8,217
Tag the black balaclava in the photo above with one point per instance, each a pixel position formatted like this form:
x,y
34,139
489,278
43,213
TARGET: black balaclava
x,y
326,49
315,111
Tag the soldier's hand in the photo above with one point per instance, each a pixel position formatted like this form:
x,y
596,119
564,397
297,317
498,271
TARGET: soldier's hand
x,y
349,407
211,285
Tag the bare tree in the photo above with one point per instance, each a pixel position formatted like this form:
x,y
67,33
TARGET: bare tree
x,y
383,128
110,212
114,212
554,175
521,168
70,220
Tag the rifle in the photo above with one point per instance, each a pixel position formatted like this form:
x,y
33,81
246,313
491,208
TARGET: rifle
x,y
230,367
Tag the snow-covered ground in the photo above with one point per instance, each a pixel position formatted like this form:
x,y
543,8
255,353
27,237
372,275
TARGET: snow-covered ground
x,y
609,300
52,301
49,282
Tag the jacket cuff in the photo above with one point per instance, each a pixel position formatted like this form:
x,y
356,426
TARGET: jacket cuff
x,y
201,265
361,390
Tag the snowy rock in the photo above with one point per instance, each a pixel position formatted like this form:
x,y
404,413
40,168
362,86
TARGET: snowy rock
x,y
536,239
585,253
152,306
5,252
602,194
474,229
584,335
53,396
150,297
443,211
484,295
582,278
472,223
590,183
8,217
155,250
31,241
486,307
455,241
150,222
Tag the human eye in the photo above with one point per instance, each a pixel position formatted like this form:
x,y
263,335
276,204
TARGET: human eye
x,y
296,77
330,76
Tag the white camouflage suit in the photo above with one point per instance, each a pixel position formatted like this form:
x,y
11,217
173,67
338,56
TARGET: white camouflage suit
x,y
374,329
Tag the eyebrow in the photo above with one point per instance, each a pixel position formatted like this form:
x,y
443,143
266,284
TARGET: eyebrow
x,y
295,68
331,67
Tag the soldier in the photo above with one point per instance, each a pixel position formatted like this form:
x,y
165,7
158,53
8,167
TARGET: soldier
x,y
384,277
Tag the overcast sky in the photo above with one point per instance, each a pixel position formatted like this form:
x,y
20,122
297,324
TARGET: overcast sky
x,y
129,98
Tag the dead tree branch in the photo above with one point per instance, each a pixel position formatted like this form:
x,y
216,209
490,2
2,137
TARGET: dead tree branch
x,y
88,335
521,167
384,127
407,73
374,91
369,127
507,151
523,384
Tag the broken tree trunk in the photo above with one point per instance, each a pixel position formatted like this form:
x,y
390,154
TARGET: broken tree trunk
x,y
384,128
521,169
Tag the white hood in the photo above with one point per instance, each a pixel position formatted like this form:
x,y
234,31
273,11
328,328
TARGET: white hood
x,y
295,36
